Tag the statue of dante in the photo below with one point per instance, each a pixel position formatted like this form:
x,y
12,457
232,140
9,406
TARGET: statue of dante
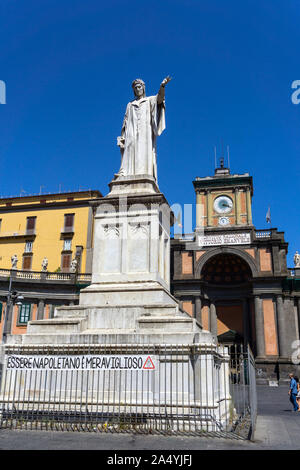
x,y
144,120
297,260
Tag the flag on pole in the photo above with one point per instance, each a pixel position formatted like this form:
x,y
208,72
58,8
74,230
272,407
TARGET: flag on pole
x,y
268,216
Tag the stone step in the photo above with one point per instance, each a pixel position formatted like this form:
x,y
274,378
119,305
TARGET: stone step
x,y
162,309
167,323
56,325
146,336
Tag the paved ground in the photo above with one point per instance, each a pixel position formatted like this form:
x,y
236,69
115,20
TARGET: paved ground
x,y
277,428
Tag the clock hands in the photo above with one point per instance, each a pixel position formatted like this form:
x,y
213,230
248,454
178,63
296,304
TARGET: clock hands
x,y
223,204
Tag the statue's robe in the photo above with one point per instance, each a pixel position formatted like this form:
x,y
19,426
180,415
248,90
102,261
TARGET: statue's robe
x,y
144,120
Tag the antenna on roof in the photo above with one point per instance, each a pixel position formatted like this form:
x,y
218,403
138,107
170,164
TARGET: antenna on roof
x,y
228,157
215,156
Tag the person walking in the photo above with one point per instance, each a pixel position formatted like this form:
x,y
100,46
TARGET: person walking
x,y
293,392
298,392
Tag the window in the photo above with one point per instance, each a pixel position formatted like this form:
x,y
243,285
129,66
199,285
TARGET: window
x,y
0,223
1,308
28,247
30,227
69,221
67,245
27,262
65,263
24,314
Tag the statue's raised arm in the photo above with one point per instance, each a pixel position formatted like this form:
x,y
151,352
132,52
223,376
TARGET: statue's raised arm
x,y
161,92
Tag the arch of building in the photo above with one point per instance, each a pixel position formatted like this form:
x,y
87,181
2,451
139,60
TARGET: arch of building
x,y
226,269
222,250
227,303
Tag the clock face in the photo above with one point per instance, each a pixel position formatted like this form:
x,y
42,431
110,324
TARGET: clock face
x,y
224,221
223,204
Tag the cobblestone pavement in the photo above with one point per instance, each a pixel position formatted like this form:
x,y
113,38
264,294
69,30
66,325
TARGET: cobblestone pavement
x,y
277,428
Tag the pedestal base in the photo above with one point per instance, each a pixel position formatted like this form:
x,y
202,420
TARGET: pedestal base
x,y
127,323
128,185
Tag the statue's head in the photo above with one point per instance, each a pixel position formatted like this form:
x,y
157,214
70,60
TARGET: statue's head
x,y
138,87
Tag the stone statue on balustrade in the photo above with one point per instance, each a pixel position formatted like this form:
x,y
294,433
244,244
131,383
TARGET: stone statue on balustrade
x,y
45,265
144,120
73,267
297,260
14,262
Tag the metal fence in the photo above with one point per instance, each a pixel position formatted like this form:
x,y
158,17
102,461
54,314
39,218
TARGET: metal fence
x,y
243,389
195,389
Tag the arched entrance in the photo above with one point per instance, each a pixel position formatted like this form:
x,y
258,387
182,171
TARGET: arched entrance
x,y
226,282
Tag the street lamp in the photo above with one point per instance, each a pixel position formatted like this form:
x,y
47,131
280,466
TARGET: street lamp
x,y
19,299
13,297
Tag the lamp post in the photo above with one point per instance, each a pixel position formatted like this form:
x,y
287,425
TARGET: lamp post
x,y
13,297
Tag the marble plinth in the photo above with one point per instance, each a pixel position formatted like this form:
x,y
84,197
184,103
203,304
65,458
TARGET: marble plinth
x,y
126,185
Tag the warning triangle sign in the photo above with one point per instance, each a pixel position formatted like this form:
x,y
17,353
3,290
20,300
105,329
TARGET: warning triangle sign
x,y
148,364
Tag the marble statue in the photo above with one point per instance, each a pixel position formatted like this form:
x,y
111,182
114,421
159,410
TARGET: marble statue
x,y
14,262
73,267
45,264
297,260
144,120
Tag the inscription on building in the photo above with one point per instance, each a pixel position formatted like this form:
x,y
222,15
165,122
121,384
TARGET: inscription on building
x,y
226,239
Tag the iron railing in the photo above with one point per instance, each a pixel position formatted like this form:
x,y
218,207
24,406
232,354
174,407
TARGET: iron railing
x,y
243,388
195,389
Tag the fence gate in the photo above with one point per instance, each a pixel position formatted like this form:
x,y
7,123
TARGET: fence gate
x,y
193,389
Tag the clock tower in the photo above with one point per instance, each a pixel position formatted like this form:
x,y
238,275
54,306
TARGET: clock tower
x,y
233,278
223,200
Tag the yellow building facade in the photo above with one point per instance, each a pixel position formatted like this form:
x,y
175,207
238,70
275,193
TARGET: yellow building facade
x,y
58,227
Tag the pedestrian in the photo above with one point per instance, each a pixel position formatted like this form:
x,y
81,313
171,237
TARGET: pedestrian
x,y
298,392
293,392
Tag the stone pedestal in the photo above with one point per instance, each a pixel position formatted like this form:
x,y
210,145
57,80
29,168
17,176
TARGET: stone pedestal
x,y
130,291
129,303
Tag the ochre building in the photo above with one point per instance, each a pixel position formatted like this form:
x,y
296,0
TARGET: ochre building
x,y
55,226
58,227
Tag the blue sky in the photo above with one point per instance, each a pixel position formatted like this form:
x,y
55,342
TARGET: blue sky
x,y
68,67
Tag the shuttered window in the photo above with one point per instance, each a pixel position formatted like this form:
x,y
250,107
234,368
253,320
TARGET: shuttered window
x,y
24,313
30,223
27,262
69,220
65,262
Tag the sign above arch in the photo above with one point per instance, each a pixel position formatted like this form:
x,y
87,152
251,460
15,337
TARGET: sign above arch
x,y
224,239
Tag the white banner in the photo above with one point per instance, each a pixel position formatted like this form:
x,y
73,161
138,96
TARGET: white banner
x,y
80,362
226,239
